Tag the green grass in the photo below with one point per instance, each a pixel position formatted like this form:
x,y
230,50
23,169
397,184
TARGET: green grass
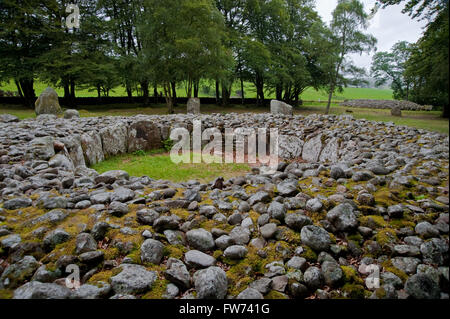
x,y
160,166
420,119
250,92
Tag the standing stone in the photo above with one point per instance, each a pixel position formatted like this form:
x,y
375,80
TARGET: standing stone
x,y
74,149
143,135
330,151
42,148
47,103
91,143
114,139
290,147
312,149
396,110
278,107
193,106
70,114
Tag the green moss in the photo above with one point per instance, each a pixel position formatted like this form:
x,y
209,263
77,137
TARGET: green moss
x,y
111,253
357,237
6,294
104,275
401,223
380,293
385,197
180,212
158,289
217,254
309,254
135,255
288,235
354,291
273,294
373,221
243,272
388,267
351,275
174,251
386,236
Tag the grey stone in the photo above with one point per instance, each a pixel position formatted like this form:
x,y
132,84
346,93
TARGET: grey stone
x,y
178,274
152,251
198,259
235,252
211,283
421,286
200,239
315,237
84,243
268,230
280,108
343,217
250,293
39,290
133,279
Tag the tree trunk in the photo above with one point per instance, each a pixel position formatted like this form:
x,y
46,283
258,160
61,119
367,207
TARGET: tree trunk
x,y
196,87
242,91
145,92
66,91
155,92
330,95
168,90
225,94
445,111
27,89
129,93
217,93
279,92
174,94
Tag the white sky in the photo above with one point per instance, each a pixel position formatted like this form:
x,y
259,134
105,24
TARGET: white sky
x,y
389,26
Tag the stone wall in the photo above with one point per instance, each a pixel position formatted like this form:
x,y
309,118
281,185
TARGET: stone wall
x,y
386,104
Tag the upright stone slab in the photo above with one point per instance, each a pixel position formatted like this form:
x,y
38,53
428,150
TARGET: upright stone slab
x,y
91,144
144,135
48,103
396,110
114,139
193,106
280,108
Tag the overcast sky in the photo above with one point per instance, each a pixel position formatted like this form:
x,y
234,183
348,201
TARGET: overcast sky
x,y
389,26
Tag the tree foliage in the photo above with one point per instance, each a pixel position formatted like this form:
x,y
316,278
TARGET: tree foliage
x,y
428,65
391,67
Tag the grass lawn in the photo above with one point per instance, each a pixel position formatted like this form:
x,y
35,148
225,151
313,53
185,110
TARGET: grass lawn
x,y
207,90
421,119
158,165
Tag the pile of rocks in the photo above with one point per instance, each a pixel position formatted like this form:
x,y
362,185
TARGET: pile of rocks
x,y
368,199
387,104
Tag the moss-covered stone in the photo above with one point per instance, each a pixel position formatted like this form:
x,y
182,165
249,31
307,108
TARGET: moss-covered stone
x,y
354,291
6,294
386,236
273,294
157,290
389,267
351,275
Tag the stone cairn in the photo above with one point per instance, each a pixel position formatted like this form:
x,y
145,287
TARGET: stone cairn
x,y
359,199
386,104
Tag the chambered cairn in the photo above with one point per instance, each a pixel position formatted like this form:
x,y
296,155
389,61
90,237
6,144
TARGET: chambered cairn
x,y
356,209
